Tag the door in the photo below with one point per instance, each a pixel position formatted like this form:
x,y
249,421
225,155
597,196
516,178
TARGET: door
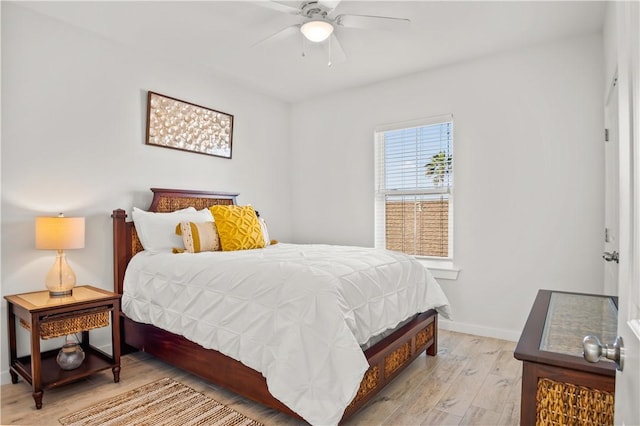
x,y
627,409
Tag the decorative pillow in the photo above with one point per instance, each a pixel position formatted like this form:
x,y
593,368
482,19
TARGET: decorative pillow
x,y
199,237
238,227
157,231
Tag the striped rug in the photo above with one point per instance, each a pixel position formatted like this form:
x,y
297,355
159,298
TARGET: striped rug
x,y
164,402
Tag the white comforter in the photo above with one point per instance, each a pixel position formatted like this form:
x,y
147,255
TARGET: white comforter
x,y
295,313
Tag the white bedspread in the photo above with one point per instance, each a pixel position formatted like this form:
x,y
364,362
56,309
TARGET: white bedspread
x,y
295,313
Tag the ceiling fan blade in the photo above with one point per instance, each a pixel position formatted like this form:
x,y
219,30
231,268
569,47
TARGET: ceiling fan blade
x,y
329,4
336,53
372,22
280,7
279,35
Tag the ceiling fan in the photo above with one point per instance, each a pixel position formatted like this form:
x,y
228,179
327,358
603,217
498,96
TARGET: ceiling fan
x,y
318,24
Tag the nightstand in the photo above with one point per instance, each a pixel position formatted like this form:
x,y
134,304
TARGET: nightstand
x,y
46,317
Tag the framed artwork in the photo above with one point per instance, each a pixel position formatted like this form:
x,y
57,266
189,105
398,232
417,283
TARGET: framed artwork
x,y
176,124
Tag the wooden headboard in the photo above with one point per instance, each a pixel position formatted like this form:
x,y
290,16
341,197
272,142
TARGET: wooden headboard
x,y
125,239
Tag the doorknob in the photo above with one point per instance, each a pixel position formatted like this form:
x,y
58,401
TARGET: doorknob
x,y
593,350
611,257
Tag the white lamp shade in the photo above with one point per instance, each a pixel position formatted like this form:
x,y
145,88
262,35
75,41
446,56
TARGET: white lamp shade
x,y
317,30
59,233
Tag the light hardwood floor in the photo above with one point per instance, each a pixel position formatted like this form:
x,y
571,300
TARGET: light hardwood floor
x,y
472,381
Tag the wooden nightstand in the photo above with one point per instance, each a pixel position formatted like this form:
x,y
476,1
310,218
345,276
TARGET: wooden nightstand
x,y
46,317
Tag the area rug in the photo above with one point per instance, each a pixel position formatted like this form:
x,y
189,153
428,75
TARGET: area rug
x,y
164,402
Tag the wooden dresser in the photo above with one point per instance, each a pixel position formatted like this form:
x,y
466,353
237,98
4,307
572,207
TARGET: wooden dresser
x,y
558,385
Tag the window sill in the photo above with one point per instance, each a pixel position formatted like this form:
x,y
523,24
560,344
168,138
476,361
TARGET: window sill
x,y
441,269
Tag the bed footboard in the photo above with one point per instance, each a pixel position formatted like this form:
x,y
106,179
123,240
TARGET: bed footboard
x,y
393,354
386,359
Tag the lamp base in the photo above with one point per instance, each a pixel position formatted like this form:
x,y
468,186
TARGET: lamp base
x,y
61,279
61,293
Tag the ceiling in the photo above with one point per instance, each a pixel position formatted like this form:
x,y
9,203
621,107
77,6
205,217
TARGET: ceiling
x,y
218,35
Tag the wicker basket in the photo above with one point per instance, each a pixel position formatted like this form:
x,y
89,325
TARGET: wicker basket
x,y
560,403
64,324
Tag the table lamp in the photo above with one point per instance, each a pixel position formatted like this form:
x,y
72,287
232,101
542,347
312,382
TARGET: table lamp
x,y
60,233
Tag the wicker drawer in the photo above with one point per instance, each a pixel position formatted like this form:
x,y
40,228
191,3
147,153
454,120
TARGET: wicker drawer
x,y
63,324
559,403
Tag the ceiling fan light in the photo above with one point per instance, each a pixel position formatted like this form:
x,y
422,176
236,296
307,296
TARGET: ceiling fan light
x,y
317,30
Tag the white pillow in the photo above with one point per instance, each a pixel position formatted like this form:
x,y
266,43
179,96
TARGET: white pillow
x,y
265,231
157,231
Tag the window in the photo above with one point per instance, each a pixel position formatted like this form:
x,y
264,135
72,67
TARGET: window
x,y
414,187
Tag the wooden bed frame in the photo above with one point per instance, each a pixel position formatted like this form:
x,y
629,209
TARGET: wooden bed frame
x,y
386,358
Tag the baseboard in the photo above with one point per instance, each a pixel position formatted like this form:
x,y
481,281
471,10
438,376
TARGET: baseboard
x,y
476,330
5,377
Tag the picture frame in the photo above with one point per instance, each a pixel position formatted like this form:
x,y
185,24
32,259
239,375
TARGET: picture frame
x,y
177,124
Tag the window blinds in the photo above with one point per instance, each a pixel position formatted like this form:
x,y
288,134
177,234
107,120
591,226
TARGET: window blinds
x,y
414,182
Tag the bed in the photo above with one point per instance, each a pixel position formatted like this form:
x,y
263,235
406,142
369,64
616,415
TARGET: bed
x,y
385,358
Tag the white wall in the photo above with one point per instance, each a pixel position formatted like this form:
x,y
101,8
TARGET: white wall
x,y
610,46
73,129
528,153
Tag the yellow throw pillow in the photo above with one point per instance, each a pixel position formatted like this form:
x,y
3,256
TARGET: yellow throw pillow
x,y
199,237
238,227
